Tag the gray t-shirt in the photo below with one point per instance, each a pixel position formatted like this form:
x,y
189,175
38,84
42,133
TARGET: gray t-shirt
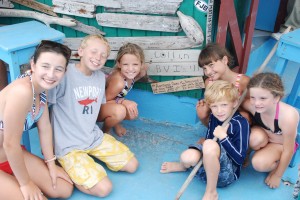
x,y
76,102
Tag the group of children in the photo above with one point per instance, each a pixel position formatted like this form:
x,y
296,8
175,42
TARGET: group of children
x,y
79,95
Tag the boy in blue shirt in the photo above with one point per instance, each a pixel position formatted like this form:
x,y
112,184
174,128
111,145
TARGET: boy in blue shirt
x,y
223,159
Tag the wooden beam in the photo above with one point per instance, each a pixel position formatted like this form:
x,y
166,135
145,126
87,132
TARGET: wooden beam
x,y
84,28
36,15
104,3
74,8
147,7
36,6
177,85
139,22
154,43
6,4
160,56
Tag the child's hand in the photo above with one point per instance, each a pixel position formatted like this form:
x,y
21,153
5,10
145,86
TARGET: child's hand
x,y
31,191
57,172
221,132
273,181
131,107
201,107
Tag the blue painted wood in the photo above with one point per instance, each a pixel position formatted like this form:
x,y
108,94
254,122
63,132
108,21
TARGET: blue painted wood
x,y
289,50
17,45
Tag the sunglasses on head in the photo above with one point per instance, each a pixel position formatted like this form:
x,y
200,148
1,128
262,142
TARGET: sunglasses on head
x,y
51,44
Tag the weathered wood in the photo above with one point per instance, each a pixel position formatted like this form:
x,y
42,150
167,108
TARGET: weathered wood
x,y
36,15
175,69
36,6
6,4
177,85
191,28
104,3
74,8
85,28
155,42
147,7
160,56
139,22
209,21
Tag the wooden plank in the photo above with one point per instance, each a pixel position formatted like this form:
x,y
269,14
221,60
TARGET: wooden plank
x,y
104,3
74,8
147,7
139,22
6,4
175,69
177,85
154,43
160,56
84,28
36,6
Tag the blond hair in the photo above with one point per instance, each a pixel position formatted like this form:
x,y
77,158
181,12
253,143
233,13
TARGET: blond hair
x,y
133,49
84,44
219,91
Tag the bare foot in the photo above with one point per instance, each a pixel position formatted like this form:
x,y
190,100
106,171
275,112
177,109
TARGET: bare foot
x,y
120,130
210,195
168,167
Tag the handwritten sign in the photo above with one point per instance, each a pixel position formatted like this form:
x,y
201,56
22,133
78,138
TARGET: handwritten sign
x,y
178,85
174,69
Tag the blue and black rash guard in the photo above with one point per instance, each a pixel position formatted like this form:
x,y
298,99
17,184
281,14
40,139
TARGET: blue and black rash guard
x,y
237,140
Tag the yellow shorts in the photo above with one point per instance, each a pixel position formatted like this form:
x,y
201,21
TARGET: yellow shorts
x,y
84,171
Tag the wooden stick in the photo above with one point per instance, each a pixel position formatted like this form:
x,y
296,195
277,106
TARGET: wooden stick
x,y
197,167
264,64
47,19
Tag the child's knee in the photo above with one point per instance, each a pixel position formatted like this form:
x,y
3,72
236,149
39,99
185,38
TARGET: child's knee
x,y
61,191
131,166
258,139
190,156
260,164
102,188
211,148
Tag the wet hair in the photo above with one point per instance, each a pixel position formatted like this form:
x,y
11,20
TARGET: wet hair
x,y
269,81
132,49
212,53
84,44
219,91
54,47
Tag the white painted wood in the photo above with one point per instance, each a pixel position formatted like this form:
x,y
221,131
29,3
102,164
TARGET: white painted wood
x,y
6,4
36,15
209,21
104,3
160,56
36,6
175,69
85,28
139,22
74,8
191,28
177,85
154,43
147,7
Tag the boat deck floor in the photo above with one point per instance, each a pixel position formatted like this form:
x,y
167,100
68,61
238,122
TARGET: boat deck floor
x,y
154,143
